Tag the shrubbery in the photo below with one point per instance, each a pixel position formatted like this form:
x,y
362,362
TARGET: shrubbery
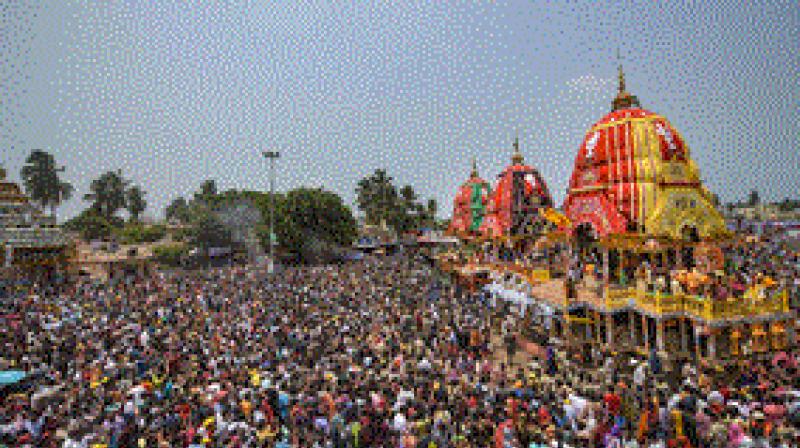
x,y
170,254
136,233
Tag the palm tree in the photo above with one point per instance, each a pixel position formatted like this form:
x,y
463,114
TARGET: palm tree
x,y
208,190
108,193
376,196
178,210
431,211
42,184
408,194
135,202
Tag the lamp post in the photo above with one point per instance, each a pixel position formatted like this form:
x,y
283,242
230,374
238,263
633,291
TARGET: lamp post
x,y
271,155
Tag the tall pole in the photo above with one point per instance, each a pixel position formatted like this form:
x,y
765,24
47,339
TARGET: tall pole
x,y
271,155
271,214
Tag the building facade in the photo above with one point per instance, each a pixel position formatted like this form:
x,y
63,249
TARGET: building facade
x,y
30,241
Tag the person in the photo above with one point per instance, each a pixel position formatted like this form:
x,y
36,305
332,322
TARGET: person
x,y
334,354
655,362
511,346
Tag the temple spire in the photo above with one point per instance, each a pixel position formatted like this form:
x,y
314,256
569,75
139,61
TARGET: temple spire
x,y
623,100
474,172
516,157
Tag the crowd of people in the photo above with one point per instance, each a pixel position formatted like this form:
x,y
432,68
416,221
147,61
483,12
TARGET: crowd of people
x,y
757,268
374,353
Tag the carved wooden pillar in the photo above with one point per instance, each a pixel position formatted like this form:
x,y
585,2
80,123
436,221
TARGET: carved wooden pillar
x,y
712,347
632,327
696,333
598,326
609,330
646,332
682,329
735,338
660,335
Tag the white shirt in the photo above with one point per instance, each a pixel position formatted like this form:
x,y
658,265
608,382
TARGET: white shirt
x,y
579,403
399,423
639,375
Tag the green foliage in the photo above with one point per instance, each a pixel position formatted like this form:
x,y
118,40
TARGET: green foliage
x,y
42,183
207,192
788,205
431,209
135,202
311,222
108,193
135,233
170,254
178,210
753,199
207,230
376,196
380,200
92,225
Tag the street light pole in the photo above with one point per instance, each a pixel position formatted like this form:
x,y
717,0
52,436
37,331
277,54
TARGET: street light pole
x,y
271,155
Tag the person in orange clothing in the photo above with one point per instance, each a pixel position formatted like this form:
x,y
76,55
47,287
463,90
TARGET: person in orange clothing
x,y
328,405
246,407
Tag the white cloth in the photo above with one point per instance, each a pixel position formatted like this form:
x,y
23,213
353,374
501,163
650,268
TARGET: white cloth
x,y
399,423
639,375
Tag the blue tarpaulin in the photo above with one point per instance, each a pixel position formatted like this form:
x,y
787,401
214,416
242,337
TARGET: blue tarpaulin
x,y
11,377
354,256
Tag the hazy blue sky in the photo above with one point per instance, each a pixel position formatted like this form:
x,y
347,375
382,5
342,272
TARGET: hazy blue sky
x,y
174,93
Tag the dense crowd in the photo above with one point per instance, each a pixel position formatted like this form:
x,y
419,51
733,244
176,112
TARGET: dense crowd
x,y
761,268
376,353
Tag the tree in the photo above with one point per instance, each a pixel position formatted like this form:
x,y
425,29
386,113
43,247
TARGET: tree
x,y
207,230
108,193
241,217
170,254
753,199
135,202
178,210
314,222
430,212
715,200
207,192
376,196
91,225
42,183
136,233
406,212
408,195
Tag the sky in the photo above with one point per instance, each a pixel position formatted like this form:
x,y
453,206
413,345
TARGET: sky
x,y
173,93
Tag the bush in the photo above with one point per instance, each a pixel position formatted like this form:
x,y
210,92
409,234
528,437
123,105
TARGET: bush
x,y
91,225
138,233
170,254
